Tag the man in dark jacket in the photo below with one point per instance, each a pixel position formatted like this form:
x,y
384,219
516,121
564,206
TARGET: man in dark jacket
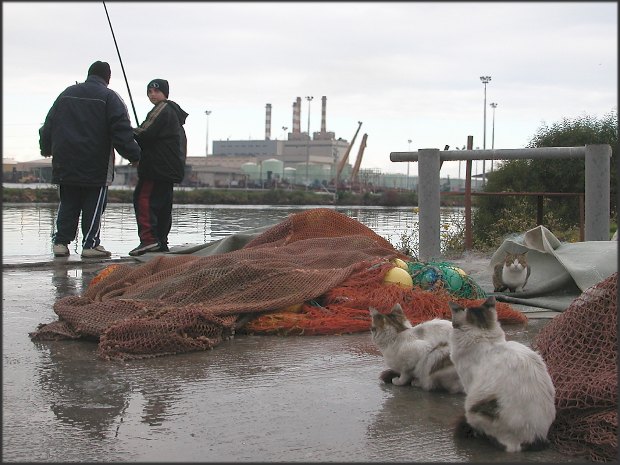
x,y
86,123
164,148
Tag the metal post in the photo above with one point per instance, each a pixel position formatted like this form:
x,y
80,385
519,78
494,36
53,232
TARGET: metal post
x,y
309,99
208,112
597,172
408,163
428,201
494,106
468,233
485,80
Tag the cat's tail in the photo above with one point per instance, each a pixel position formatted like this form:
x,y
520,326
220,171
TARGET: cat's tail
x,y
539,443
387,375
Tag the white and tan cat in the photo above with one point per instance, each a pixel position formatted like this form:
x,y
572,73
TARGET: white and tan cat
x,y
416,355
512,273
509,393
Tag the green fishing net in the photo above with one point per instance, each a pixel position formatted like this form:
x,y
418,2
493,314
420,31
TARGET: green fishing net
x,y
434,275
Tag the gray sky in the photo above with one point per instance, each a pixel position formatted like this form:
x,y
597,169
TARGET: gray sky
x,y
406,70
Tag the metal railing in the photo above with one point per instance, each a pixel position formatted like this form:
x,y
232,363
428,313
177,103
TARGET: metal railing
x,y
597,186
539,207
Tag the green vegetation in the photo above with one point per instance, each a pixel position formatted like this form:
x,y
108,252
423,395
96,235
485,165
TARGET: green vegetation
x,y
452,237
499,216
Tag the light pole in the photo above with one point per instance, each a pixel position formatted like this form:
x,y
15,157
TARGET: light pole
x,y
494,106
309,99
208,112
409,141
485,80
284,128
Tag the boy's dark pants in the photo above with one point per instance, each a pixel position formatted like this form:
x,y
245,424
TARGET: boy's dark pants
x,y
152,202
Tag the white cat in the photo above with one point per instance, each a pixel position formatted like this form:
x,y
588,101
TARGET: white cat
x,y
512,273
418,355
509,393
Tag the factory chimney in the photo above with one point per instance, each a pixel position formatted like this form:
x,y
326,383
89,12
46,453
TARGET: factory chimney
x,y
268,122
323,113
297,116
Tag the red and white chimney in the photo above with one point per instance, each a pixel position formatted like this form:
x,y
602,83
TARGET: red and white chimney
x,y
268,121
297,116
323,114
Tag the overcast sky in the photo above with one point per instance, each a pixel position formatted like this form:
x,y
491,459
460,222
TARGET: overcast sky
x,y
408,71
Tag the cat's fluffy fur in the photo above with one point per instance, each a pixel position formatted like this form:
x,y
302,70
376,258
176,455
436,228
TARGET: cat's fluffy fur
x,y
509,393
512,273
418,355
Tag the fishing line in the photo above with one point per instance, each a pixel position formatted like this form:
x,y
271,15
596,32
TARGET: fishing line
x,y
122,67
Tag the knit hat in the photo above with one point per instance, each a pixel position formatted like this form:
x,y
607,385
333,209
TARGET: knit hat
x,y
160,84
101,69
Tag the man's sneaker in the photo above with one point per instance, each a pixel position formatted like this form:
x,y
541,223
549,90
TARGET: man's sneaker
x,y
61,250
144,248
97,252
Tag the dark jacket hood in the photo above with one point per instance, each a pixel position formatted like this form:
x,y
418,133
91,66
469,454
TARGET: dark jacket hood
x,y
181,114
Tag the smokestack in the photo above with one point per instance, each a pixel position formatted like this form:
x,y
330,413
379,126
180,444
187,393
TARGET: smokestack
x,y
323,113
297,116
268,122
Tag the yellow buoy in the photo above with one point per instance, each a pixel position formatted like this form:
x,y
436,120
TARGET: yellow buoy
x,y
398,276
295,308
400,263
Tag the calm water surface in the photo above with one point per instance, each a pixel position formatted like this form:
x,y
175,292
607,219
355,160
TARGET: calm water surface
x,y
27,228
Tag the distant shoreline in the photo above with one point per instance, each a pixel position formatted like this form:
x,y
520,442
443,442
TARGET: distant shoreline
x,y
47,193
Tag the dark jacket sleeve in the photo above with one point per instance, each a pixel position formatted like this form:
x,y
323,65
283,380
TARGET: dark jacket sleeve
x,y
157,123
45,133
120,129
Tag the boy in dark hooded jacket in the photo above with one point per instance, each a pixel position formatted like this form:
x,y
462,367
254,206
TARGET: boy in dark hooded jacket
x,y
164,148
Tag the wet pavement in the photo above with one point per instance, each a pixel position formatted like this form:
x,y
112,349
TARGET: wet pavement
x,y
250,399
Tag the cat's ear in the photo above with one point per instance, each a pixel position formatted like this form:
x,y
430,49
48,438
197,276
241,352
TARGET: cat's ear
x,y
488,307
397,309
455,307
373,311
457,314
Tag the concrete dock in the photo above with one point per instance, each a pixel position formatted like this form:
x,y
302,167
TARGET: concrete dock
x,y
251,399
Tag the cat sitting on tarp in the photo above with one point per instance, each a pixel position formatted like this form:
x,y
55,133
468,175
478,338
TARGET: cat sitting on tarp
x,y
511,274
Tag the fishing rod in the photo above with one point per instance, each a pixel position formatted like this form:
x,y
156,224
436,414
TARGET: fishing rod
x,y
122,67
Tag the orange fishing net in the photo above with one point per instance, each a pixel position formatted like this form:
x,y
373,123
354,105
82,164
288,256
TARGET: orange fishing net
x,y
344,309
580,348
328,262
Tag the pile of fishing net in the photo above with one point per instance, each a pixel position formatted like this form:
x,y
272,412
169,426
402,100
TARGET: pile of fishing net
x,y
317,272
580,348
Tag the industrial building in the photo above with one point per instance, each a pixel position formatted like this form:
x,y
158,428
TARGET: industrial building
x,y
300,160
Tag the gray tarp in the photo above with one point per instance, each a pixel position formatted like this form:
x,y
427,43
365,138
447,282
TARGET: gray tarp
x,y
228,244
559,271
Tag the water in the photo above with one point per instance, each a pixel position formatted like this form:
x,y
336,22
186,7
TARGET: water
x,y
27,228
